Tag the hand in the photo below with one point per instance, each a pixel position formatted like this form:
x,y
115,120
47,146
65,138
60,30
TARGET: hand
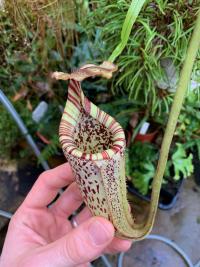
x,y
44,237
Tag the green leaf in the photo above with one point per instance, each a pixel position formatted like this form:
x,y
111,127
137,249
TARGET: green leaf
x,y
141,180
130,19
182,164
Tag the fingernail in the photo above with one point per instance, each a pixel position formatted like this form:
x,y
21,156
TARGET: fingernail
x,y
99,233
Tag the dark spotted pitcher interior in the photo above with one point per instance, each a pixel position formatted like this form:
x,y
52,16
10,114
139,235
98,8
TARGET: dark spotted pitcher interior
x,y
90,136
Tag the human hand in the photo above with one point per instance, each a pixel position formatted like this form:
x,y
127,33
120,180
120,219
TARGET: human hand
x,y
44,237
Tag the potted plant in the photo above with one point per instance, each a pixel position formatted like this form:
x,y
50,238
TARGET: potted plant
x,y
141,165
142,127
188,130
184,156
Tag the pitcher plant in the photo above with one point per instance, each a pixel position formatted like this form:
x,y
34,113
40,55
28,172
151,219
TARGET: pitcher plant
x,y
94,142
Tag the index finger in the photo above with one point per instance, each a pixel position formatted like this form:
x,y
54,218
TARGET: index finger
x,y
47,186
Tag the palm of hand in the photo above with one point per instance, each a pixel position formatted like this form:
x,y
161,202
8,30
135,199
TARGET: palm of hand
x,y
44,227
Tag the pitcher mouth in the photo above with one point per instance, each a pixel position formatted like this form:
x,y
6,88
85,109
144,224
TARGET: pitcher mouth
x,y
77,109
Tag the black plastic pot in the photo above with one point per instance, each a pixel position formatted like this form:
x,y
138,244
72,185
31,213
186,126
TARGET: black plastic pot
x,y
196,163
168,194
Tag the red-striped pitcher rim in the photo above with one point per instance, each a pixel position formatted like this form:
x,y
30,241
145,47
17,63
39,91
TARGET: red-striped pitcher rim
x,y
76,100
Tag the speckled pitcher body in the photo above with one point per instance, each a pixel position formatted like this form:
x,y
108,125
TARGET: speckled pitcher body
x,y
94,145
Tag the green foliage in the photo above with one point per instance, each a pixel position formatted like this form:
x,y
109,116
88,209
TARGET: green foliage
x,y
131,16
10,135
182,163
188,127
142,165
48,127
189,119
143,178
121,110
52,148
162,30
30,49
49,124
36,38
142,162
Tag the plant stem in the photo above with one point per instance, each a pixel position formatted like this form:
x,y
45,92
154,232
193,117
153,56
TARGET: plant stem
x,y
172,121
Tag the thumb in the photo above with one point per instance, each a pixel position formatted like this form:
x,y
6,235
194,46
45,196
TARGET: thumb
x,y
81,245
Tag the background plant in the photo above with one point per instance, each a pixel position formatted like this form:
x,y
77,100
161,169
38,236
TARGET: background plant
x,y
162,30
141,166
38,37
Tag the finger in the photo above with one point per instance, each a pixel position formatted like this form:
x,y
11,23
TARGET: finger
x,y
118,245
83,216
81,245
68,202
47,186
